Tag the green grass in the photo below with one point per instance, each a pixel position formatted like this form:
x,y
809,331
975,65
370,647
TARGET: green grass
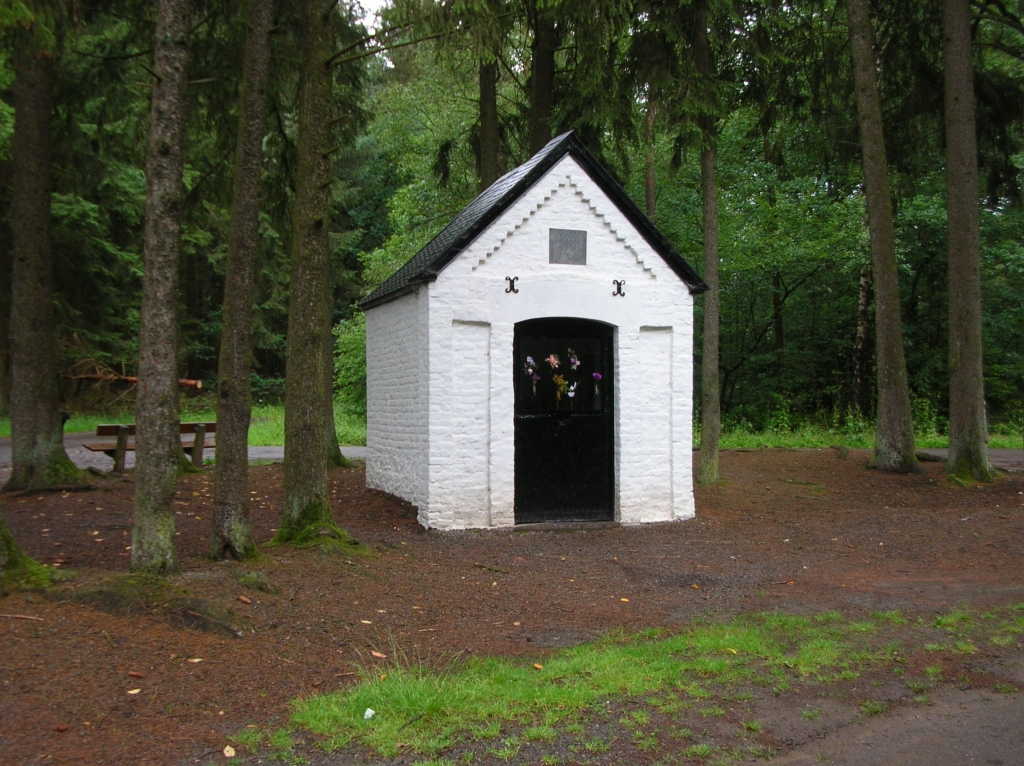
x,y
513,702
810,437
430,711
266,428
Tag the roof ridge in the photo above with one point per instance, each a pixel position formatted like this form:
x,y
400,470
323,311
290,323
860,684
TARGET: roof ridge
x,y
485,208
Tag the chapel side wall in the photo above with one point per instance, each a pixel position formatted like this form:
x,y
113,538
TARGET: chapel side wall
x,y
396,398
682,414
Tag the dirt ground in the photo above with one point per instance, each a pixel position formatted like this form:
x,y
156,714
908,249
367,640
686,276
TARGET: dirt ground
x,y
801,531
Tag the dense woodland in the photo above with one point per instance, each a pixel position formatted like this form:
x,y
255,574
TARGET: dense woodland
x,y
831,167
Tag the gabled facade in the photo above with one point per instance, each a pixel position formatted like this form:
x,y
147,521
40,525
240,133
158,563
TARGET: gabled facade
x,y
534,361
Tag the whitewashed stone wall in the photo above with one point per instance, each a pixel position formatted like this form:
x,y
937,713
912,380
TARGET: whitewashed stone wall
x,y
460,471
396,398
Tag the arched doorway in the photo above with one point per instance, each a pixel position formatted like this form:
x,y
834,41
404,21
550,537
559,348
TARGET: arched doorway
x,y
564,420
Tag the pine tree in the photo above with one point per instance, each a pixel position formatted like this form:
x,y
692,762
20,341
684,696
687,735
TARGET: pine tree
x,y
894,430
232,528
158,446
968,434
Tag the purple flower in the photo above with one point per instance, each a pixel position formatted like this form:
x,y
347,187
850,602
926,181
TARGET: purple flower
x,y
534,375
597,376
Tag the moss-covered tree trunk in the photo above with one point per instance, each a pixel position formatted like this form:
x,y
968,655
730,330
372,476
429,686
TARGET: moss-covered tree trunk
x,y
894,430
231,536
15,566
306,397
157,443
968,436
710,410
37,436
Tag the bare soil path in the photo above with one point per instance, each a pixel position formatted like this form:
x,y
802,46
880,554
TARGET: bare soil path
x,y
801,531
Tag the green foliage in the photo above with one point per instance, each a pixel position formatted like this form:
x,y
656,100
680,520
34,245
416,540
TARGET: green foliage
x,y
793,234
350,365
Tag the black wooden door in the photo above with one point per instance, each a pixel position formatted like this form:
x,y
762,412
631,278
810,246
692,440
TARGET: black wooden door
x,y
564,463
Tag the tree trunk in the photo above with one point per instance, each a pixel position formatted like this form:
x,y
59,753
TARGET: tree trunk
x,y
710,408
968,432
862,343
710,405
157,444
649,191
232,529
489,137
334,457
894,430
542,79
306,399
37,435
778,328
14,564
5,288
5,322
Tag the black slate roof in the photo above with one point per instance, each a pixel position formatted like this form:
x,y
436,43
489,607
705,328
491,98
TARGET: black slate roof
x,y
499,196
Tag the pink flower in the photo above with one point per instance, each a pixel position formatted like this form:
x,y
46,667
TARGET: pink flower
x,y
553,361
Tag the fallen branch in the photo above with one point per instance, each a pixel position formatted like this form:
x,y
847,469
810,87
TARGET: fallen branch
x,y
112,377
21,617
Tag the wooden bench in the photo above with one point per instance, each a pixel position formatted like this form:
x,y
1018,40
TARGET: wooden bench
x,y
195,437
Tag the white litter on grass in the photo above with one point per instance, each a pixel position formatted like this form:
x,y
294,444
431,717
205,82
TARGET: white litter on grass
x,y
370,713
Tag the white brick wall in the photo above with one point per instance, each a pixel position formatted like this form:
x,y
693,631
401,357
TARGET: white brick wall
x,y
396,398
462,476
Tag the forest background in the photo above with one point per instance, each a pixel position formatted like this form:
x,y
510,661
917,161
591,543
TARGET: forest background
x,y
795,276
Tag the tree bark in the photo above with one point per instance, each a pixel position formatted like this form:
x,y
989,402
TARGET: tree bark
x,y
710,409
862,343
894,429
5,318
968,431
5,286
710,406
335,459
489,137
157,444
306,398
232,528
14,564
542,78
778,328
650,197
37,435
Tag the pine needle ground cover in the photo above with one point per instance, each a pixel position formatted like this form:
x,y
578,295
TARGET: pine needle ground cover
x,y
798,535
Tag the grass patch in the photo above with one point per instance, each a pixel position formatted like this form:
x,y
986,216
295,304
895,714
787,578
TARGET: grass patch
x,y
1002,436
429,711
512,704
266,428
